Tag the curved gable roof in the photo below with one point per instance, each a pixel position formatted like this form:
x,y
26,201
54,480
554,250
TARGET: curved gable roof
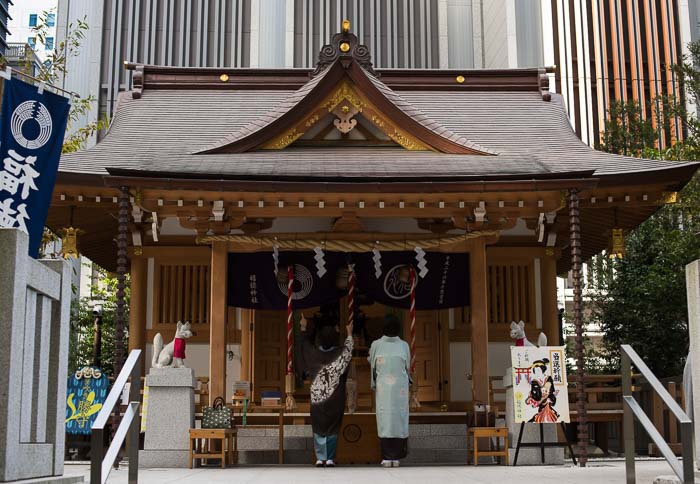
x,y
345,70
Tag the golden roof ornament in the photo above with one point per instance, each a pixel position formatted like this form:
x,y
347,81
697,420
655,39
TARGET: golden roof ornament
x,y
346,26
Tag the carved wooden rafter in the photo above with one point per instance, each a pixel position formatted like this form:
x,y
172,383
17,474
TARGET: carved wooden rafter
x,y
203,222
349,222
347,95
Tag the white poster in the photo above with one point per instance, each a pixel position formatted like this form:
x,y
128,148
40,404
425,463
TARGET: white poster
x,y
539,384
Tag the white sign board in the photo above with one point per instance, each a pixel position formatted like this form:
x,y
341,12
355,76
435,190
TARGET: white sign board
x,y
539,384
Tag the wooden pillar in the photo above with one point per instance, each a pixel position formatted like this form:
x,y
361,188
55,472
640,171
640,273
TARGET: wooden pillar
x,y
575,237
246,343
479,320
217,321
550,311
137,303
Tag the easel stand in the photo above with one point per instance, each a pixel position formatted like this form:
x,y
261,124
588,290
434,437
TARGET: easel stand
x,y
542,444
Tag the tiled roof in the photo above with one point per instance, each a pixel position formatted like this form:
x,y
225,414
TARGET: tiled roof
x,y
532,138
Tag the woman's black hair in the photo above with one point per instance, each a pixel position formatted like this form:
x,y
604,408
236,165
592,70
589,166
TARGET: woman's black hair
x,y
328,336
542,364
392,325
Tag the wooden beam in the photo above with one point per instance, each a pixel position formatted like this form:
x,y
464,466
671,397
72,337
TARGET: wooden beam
x,y
137,304
479,321
217,326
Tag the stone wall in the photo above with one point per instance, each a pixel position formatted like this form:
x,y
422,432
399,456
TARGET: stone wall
x,y
34,329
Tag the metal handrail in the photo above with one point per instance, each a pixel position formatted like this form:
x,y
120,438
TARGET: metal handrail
x,y
631,408
101,462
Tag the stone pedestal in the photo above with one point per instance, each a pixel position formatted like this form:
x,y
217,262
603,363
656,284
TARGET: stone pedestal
x,y
531,433
169,418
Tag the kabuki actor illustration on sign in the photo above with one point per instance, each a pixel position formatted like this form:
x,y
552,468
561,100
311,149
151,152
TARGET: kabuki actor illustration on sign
x,y
539,384
31,137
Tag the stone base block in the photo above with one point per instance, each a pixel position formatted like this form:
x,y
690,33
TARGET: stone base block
x,y
531,456
164,458
52,480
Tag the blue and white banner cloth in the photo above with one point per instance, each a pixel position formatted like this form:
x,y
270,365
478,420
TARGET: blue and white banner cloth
x,y
32,127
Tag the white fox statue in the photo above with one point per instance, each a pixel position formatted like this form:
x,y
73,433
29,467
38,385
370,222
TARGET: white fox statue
x,y
517,332
173,354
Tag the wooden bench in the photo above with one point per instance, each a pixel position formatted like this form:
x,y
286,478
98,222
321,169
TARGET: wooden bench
x,y
200,445
490,433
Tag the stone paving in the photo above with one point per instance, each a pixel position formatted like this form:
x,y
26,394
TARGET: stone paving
x,y
598,472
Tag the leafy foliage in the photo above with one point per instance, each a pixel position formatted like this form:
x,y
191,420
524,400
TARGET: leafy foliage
x,y
641,299
83,328
56,67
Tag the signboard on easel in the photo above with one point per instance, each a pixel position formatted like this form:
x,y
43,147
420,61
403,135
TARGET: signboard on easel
x,y
540,393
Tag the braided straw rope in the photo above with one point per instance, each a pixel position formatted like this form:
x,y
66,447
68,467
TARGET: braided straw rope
x,y
344,245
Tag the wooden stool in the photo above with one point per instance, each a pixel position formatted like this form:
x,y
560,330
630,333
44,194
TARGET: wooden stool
x,y
200,445
489,432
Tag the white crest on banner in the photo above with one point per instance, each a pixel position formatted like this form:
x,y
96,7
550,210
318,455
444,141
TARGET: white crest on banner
x,y
377,258
421,262
320,262
26,111
276,257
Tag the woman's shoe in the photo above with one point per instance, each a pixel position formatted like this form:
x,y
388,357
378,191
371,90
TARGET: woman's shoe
x,y
330,463
386,463
319,463
394,463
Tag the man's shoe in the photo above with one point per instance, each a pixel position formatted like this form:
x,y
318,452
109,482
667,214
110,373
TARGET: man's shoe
x,y
394,463
386,463
330,463
319,463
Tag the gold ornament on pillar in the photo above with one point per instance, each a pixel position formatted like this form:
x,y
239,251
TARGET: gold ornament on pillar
x,y
69,242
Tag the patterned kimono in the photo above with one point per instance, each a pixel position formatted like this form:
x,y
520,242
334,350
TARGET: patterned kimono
x,y
390,359
328,372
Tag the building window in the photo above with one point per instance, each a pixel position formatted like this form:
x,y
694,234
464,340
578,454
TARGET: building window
x,y
32,19
49,43
51,20
32,42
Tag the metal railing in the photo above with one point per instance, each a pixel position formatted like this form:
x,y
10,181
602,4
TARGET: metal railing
x,y
632,409
101,462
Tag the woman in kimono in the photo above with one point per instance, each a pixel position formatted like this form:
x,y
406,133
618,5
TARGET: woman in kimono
x,y
327,367
390,358
542,393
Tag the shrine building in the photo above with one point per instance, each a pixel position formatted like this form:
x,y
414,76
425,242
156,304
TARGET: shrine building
x,y
211,182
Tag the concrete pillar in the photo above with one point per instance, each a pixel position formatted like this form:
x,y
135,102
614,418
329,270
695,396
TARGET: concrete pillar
x,y
692,278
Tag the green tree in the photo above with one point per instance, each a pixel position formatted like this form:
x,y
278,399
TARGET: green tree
x,y
82,324
642,298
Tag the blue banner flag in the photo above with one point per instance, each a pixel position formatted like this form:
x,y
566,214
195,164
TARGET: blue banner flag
x,y
32,127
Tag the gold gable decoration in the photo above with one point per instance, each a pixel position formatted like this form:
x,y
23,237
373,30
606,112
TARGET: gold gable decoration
x,y
346,94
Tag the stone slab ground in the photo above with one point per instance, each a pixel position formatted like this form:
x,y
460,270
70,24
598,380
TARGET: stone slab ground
x,y
598,472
